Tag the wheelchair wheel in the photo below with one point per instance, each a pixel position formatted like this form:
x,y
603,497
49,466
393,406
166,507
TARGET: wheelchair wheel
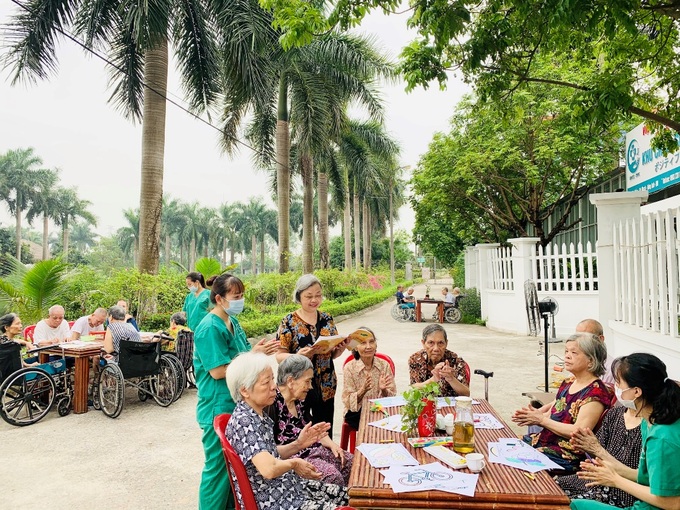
x,y
142,395
164,385
191,377
401,314
64,406
453,315
111,390
396,312
181,374
26,396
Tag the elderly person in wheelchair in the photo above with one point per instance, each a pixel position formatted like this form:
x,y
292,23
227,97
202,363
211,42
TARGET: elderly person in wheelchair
x,y
119,329
277,477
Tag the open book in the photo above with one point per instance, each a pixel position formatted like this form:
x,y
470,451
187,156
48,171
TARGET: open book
x,y
328,343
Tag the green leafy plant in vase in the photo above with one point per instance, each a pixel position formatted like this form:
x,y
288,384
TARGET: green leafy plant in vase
x,y
419,413
427,292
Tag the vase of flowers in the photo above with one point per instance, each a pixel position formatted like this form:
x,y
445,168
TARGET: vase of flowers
x,y
419,414
427,292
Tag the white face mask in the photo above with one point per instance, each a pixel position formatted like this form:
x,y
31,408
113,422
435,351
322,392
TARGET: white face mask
x,y
193,289
628,404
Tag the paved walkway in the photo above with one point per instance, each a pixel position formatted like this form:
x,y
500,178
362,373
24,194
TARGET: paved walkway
x,y
151,458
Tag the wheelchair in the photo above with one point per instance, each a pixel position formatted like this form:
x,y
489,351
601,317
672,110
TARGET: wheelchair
x,y
182,358
403,313
452,314
140,365
28,394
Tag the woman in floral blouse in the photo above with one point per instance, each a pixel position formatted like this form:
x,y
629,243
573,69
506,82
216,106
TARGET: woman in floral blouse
x,y
579,403
294,380
298,332
279,479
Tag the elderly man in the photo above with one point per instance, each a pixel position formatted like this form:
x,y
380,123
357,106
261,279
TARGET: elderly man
x,y
128,318
594,327
89,323
53,329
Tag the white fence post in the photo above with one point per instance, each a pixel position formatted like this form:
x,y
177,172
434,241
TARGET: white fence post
x,y
470,267
483,268
524,253
611,208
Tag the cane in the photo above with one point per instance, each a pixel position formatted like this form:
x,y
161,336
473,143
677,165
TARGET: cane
x,y
486,382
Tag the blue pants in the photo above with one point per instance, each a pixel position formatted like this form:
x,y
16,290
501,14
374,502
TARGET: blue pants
x,y
214,492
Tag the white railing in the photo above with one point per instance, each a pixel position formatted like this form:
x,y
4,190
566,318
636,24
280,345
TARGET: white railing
x,y
646,271
565,268
500,268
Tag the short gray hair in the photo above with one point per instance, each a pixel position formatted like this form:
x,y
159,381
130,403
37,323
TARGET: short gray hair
x,y
303,283
594,349
102,312
117,312
244,371
293,366
433,328
55,308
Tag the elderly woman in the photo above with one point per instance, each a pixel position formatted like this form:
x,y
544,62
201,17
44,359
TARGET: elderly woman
x,y
434,362
294,380
298,332
579,402
10,347
278,478
643,385
364,378
119,329
619,438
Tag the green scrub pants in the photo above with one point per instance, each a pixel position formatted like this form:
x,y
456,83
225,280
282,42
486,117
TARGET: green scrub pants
x,y
214,492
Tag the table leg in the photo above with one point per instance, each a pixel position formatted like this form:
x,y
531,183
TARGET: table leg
x,y
418,312
440,309
43,357
81,383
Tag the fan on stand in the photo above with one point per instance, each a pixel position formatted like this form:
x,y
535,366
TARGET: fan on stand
x,y
531,300
536,309
549,305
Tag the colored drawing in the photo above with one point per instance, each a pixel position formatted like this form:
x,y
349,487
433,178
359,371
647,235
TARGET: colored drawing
x,y
386,455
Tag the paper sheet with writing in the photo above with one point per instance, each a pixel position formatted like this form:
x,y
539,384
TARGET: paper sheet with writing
x,y
486,421
392,423
74,344
427,477
518,454
386,455
398,400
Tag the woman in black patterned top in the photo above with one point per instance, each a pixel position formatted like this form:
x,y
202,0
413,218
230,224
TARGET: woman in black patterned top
x,y
619,437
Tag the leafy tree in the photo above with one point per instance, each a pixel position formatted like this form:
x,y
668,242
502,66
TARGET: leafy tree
x,y
45,203
503,167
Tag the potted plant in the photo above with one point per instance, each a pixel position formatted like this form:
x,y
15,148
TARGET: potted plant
x,y
427,292
419,413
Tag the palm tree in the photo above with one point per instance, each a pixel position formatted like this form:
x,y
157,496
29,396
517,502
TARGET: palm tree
x,y
227,214
135,38
46,204
268,226
172,224
191,231
18,185
248,223
71,207
82,237
128,236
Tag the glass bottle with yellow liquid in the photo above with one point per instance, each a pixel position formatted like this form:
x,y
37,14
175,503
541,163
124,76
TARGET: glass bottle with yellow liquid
x,y
464,426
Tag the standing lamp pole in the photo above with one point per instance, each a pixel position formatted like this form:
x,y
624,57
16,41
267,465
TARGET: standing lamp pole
x,y
392,279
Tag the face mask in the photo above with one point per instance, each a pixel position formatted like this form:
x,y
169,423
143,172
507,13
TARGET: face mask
x,y
629,404
235,307
193,289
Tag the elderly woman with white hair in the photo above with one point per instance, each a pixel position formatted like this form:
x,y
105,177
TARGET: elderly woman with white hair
x,y
277,477
579,403
294,380
298,332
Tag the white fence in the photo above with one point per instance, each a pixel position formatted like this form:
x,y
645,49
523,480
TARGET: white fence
x,y
565,268
500,265
646,272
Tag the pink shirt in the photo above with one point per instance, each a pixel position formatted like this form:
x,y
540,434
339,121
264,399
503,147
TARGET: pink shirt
x,y
355,373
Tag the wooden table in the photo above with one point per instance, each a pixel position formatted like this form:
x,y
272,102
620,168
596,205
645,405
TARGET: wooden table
x,y
438,302
499,487
82,354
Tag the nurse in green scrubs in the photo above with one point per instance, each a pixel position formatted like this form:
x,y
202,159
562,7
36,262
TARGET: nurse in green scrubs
x,y
197,303
643,385
218,339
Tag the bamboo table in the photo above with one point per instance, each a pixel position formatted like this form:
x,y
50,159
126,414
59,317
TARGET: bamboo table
x,y
82,354
499,487
440,308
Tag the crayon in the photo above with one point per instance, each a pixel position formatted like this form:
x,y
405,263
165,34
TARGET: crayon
x,y
387,440
529,475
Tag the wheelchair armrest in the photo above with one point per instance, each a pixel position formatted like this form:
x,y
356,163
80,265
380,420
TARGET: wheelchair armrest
x,y
485,374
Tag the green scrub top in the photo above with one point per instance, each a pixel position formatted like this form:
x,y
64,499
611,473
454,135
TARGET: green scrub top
x,y
214,346
196,307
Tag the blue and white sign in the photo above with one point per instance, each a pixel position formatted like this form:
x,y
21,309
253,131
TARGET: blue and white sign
x,y
646,168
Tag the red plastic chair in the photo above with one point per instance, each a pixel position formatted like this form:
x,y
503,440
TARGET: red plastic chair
x,y
71,323
235,466
28,332
348,436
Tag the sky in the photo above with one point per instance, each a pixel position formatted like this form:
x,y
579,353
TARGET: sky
x,y
72,127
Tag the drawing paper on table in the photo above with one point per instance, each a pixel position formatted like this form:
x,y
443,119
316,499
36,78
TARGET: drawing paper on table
x,y
389,401
422,442
392,423
429,477
486,421
449,402
518,454
447,456
386,455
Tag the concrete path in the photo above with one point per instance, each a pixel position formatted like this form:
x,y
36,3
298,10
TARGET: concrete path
x,y
151,457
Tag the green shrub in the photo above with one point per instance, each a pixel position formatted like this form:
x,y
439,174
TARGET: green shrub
x,y
471,306
458,270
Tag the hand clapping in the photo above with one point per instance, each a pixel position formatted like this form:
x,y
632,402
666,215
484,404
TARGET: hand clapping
x,y
527,416
267,347
312,434
306,470
598,472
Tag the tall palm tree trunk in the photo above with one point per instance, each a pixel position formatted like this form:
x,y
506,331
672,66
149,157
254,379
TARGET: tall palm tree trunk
x,y
168,243
283,176
253,251
307,170
369,239
232,254
153,150
322,195
64,241
367,253
18,227
262,256
46,237
347,231
192,254
357,231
